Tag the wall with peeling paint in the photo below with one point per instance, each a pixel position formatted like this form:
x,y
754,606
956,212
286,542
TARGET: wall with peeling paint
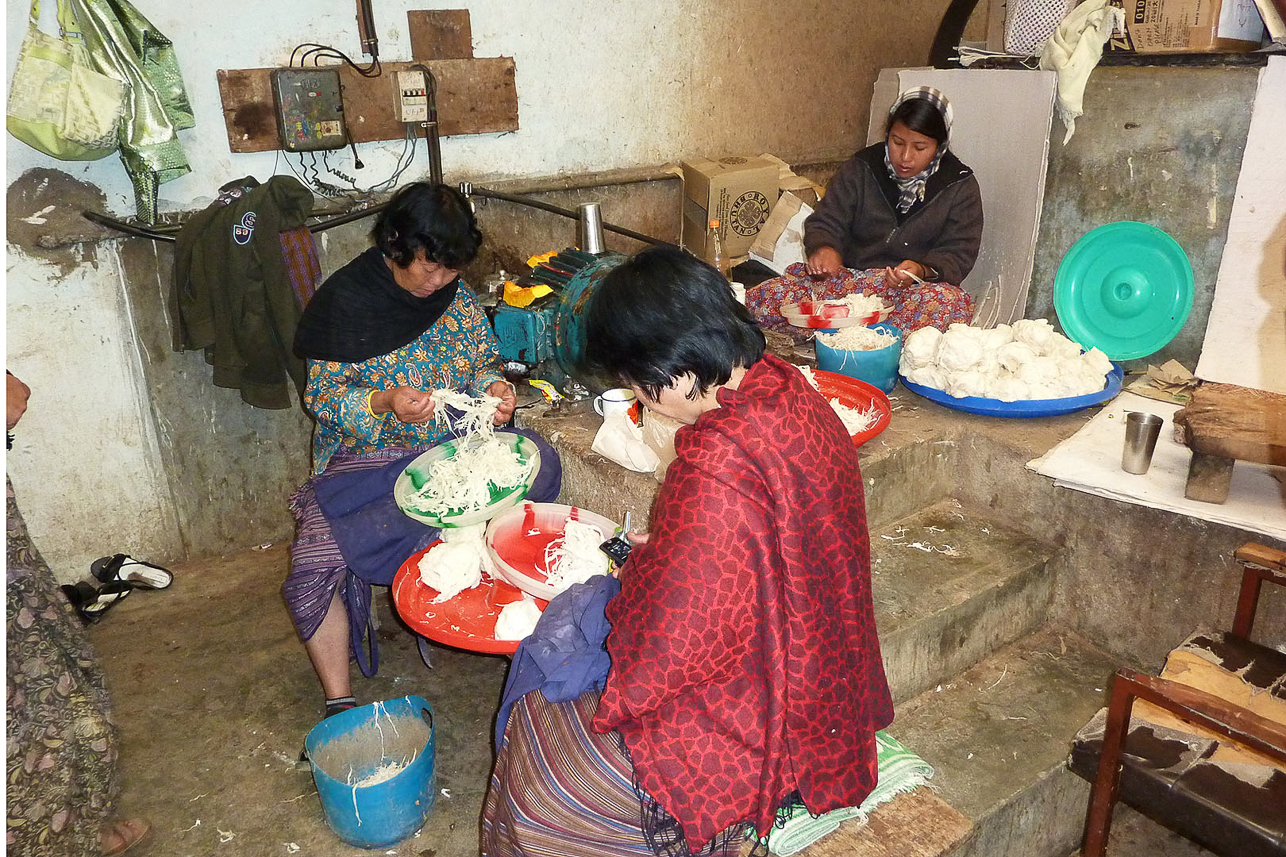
x,y
1158,145
600,86
127,447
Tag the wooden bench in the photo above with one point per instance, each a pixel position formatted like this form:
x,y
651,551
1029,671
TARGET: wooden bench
x,y
1214,712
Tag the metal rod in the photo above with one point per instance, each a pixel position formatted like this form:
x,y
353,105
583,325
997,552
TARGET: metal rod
x,y
122,226
431,137
471,190
340,220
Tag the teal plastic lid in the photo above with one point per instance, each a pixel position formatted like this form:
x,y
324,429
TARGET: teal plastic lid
x,y
1124,288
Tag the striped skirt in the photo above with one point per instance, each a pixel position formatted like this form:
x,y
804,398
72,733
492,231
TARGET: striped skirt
x,y
560,789
317,566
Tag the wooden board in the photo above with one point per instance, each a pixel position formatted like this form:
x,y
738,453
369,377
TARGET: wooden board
x,y
440,34
475,96
1228,421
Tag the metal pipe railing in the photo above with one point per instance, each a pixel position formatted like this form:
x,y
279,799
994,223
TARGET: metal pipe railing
x,y
322,225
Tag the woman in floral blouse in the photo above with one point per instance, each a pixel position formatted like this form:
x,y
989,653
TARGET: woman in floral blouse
x,y
379,336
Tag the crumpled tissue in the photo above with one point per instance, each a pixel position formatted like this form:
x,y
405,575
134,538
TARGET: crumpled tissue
x,y
620,440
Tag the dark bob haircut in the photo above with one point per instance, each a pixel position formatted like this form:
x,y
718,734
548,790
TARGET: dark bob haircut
x,y
922,117
662,314
434,218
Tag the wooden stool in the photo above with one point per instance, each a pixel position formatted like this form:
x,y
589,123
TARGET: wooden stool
x,y
1224,423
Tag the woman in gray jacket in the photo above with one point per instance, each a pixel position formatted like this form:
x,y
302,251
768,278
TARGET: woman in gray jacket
x,y
901,219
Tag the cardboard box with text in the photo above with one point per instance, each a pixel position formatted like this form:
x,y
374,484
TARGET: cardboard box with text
x,y
739,192
1188,26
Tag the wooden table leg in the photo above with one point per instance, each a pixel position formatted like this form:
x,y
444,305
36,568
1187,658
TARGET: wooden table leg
x,y
1209,478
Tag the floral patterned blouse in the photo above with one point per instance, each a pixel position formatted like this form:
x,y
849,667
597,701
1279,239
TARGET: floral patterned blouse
x,y
459,352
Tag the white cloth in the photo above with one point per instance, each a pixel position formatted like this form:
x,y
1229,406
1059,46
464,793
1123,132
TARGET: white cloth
x,y
1073,52
1090,461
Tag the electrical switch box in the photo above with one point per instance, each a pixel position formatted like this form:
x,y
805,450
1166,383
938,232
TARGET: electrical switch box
x,y
310,111
412,96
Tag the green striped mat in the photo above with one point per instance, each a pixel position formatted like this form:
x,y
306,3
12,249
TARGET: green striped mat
x,y
900,771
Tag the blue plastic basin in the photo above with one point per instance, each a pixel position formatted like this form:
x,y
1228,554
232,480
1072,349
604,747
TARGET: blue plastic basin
x,y
352,747
878,368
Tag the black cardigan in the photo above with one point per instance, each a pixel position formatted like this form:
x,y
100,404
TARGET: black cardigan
x,y
859,218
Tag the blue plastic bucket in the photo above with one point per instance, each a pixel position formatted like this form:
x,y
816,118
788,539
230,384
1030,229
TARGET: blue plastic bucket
x,y
375,771
878,368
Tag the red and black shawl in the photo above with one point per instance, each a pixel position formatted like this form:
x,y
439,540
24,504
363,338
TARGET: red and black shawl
x,y
745,662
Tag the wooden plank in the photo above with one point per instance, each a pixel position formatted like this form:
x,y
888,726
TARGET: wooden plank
x,y
249,114
475,96
1262,555
1228,421
440,34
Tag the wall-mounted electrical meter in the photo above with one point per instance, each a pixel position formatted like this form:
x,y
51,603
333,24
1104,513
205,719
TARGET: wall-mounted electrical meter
x,y
310,112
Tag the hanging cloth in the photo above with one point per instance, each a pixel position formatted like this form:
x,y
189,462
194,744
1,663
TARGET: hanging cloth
x,y
124,44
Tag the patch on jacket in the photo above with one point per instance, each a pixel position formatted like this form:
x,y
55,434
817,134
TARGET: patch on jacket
x,y
241,232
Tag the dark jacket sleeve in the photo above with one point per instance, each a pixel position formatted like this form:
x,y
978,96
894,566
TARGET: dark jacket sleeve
x,y
830,224
956,250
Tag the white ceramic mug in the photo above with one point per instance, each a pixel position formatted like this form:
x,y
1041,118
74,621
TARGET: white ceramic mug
x,y
617,400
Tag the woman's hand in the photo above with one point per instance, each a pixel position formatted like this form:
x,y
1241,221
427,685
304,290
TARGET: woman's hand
x,y
504,391
16,395
406,403
825,261
900,276
635,539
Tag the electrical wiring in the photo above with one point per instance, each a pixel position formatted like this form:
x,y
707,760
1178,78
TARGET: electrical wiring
x,y
317,51
309,174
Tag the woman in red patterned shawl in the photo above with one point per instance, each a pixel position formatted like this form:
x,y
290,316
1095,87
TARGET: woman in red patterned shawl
x,y
745,668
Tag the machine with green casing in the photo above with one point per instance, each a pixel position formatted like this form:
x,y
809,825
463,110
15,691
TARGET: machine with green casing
x,y
549,334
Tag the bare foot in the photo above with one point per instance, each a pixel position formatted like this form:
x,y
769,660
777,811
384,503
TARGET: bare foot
x,y
119,835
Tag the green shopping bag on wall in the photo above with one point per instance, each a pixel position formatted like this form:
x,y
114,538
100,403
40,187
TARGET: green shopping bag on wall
x,y
125,43
59,103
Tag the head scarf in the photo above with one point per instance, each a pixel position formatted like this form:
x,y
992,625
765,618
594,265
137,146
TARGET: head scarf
x,y
361,312
911,190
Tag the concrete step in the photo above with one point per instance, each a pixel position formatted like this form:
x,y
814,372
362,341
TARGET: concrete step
x,y
998,736
950,588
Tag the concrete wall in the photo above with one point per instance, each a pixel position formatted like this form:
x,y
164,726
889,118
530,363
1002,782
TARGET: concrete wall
x,y
1158,145
127,447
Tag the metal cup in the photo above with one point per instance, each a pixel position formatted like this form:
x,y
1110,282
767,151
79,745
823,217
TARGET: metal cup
x,y
1141,431
590,232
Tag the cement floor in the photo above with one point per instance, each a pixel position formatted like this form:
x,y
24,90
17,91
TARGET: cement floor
x,y
214,695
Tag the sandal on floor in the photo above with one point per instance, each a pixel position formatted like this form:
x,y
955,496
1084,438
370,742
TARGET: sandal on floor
x,y
91,603
119,835
144,575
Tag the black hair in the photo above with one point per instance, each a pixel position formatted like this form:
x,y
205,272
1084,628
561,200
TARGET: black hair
x,y
921,116
434,218
663,313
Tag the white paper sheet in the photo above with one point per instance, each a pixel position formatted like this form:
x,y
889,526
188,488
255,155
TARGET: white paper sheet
x,y
1245,340
1090,461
